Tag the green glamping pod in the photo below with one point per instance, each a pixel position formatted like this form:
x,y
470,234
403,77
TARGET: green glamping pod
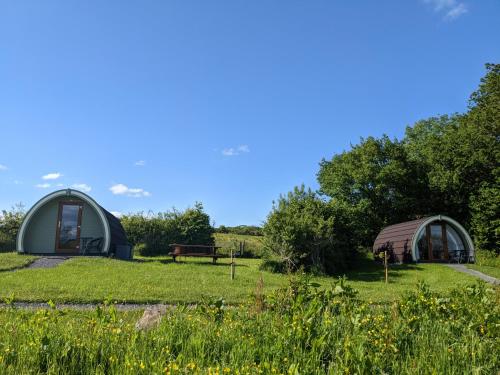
x,y
69,222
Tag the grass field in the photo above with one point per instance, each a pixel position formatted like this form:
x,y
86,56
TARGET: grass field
x,y
300,331
11,260
227,241
85,279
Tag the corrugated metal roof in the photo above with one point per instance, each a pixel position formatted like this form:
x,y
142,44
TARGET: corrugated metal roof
x,y
398,237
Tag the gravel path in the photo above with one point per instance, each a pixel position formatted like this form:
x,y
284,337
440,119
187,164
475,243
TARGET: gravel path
x,y
482,276
47,262
84,306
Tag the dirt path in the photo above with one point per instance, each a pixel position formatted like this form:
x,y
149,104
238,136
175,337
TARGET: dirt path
x,y
482,276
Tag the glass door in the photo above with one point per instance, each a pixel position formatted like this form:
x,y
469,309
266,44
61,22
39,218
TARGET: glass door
x,y
68,227
432,243
436,241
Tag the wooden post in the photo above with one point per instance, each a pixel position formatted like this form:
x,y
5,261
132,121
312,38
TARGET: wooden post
x,y
385,266
232,265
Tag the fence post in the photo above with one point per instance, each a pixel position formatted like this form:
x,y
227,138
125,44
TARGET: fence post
x,y
232,265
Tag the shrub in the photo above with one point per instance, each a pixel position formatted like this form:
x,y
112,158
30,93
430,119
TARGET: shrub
x,y
304,231
10,222
154,233
141,249
487,258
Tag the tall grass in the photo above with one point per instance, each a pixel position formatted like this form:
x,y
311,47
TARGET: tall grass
x,y
487,258
301,329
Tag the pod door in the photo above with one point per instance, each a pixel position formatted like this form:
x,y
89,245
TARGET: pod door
x,y
441,242
69,221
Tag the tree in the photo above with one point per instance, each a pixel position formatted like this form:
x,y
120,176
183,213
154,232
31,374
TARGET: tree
x,y
304,230
378,180
485,217
460,154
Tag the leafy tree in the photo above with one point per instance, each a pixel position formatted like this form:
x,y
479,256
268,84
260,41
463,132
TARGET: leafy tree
x,y
460,155
378,180
447,164
485,213
194,226
304,230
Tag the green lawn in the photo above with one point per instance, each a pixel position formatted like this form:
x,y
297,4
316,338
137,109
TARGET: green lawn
x,y
160,280
488,270
10,261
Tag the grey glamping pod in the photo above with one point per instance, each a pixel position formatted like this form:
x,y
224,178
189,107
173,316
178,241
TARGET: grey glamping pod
x,y
69,222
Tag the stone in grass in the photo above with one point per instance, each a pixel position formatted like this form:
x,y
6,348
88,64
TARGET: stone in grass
x,y
151,318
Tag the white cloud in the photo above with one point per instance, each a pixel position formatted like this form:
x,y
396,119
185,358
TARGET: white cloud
x,y
140,163
118,214
3,167
52,176
231,151
243,148
17,182
82,187
42,186
450,9
121,189
456,11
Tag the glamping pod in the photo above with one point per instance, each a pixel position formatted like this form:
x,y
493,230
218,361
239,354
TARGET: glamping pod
x,y
432,239
70,222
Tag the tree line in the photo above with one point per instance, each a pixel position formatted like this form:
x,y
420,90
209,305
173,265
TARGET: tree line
x,y
248,230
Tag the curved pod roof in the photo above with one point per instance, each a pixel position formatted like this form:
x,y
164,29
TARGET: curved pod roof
x,y
113,230
402,237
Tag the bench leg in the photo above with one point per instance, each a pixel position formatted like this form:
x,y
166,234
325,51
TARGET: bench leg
x,y
173,256
214,260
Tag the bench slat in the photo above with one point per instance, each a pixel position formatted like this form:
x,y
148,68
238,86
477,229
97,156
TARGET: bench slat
x,y
196,255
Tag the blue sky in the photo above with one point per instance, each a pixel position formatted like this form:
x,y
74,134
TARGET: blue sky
x,y
154,104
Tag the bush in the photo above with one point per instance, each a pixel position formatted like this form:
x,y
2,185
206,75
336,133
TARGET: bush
x,y
6,243
10,222
141,249
152,235
487,258
304,231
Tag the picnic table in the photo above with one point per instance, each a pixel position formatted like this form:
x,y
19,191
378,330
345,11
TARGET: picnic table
x,y
208,251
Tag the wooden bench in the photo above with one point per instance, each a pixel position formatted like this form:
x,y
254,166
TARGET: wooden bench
x,y
195,251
